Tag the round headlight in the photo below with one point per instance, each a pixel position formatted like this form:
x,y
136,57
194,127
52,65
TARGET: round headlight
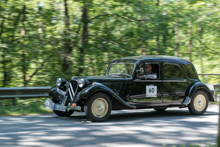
x,y
81,82
58,82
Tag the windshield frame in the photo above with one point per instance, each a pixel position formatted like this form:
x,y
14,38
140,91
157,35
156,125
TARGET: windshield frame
x,y
110,65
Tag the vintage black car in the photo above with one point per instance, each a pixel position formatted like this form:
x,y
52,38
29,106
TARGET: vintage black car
x,y
139,82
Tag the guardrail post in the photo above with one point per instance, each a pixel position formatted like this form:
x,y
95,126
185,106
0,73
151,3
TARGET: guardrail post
x,y
218,137
14,101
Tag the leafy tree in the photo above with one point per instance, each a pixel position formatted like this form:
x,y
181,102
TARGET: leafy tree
x,y
41,40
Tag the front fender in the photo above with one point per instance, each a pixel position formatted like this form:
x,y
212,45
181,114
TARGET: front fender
x,y
199,86
57,94
98,87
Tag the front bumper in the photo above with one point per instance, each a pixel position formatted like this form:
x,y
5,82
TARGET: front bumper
x,y
49,104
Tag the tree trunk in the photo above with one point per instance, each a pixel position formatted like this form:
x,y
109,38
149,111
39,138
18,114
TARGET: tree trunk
x,y
200,49
17,19
163,25
158,41
158,32
177,40
218,138
164,44
190,40
68,47
158,3
4,62
84,37
177,33
40,33
5,73
3,21
4,68
24,65
2,26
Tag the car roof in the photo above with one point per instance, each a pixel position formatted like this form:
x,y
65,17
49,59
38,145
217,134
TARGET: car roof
x,y
153,58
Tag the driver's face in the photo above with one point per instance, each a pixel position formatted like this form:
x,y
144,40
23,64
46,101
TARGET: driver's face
x,y
147,69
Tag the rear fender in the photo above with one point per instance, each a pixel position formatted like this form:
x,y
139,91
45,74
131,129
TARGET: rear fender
x,y
199,86
98,87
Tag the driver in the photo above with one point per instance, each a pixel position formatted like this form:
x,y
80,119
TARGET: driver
x,y
147,71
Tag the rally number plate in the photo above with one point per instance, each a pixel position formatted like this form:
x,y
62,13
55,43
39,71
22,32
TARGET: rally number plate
x,y
151,91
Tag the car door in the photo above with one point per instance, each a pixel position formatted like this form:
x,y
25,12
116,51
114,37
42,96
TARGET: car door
x,y
174,84
147,92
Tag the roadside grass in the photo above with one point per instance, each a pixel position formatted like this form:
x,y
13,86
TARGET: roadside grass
x,y
215,102
22,106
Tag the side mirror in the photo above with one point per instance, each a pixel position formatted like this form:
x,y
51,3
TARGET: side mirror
x,y
141,70
150,76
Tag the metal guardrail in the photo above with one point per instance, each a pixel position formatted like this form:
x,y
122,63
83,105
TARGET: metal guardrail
x,y
42,92
216,87
210,74
23,92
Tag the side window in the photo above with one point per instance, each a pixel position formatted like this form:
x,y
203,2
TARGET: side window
x,y
148,68
191,72
172,71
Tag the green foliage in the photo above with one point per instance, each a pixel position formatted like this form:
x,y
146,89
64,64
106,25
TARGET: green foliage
x,y
41,40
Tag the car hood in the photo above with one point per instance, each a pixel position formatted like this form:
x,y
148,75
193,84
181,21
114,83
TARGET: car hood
x,y
100,78
117,84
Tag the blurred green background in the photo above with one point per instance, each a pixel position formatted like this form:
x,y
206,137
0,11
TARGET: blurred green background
x,y
41,40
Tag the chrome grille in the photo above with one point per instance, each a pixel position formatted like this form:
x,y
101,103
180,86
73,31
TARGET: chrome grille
x,y
73,87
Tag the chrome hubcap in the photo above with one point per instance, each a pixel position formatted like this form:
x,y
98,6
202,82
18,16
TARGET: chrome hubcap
x,y
99,107
200,102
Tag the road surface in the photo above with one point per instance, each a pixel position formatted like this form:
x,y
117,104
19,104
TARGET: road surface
x,y
126,128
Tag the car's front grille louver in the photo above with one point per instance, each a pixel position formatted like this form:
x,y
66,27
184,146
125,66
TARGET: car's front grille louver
x,y
73,87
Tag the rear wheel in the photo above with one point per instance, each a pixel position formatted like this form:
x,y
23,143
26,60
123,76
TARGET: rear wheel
x,y
199,103
160,109
98,107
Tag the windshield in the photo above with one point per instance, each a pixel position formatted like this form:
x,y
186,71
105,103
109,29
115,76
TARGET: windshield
x,y
121,69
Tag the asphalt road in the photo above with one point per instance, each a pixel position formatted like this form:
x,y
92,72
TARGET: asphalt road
x,y
124,128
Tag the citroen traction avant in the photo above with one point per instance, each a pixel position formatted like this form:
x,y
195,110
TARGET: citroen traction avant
x,y
173,83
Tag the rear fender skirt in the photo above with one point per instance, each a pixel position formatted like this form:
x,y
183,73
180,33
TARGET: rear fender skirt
x,y
199,86
98,87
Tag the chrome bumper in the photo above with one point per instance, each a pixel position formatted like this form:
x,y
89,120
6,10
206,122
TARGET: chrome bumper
x,y
49,104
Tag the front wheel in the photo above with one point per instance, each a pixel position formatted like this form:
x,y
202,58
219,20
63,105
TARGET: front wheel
x,y
199,103
61,113
98,107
